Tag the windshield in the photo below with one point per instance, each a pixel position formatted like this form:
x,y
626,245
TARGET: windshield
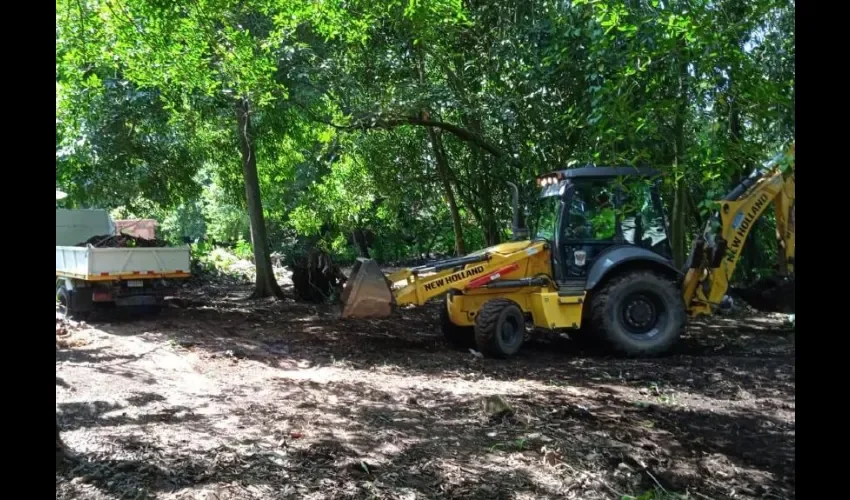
x,y
548,217
591,212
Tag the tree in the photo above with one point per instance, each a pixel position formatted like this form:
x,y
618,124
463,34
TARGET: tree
x,y
116,145
204,58
412,135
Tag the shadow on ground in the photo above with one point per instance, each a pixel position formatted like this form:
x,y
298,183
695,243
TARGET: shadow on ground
x,y
437,444
715,415
718,358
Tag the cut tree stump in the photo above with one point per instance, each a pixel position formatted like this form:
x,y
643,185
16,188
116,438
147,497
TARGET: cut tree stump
x,y
315,278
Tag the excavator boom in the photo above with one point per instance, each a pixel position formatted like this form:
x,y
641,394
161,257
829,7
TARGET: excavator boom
x,y
716,253
369,293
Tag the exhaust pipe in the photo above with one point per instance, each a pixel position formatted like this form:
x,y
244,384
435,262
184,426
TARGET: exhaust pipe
x,y
520,232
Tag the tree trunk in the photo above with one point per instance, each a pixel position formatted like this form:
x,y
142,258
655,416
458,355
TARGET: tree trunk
x,y
793,108
491,229
678,224
750,253
481,211
266,285
443,173
468,199
680,199
442,166
360,243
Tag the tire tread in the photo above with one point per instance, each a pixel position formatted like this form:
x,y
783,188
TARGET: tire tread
x,y
598,309
485,326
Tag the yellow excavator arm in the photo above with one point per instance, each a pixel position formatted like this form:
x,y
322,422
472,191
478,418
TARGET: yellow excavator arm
x,y
716,252
513,264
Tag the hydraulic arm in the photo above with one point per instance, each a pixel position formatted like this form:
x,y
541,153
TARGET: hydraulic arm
x,y
481,270
716,252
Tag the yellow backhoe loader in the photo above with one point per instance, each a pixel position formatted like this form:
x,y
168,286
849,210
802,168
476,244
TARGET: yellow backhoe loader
x,y
598,264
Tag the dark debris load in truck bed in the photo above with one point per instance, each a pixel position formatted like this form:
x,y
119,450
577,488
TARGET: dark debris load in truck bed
x,y
121,241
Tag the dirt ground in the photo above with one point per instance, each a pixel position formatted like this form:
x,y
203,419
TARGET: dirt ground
x,y
219,398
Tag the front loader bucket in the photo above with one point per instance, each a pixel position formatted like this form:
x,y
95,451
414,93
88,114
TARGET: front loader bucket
x,y
366,293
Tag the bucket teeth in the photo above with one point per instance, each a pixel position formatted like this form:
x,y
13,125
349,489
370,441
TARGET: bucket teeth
x,y
366,293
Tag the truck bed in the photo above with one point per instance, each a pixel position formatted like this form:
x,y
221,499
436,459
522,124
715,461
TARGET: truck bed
x,y
104,264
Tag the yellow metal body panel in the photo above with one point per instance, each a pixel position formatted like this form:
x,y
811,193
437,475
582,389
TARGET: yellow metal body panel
x,y
550,311
419,289
547,310
533,260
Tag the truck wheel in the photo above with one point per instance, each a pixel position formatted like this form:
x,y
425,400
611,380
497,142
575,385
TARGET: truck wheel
x,y
499,328
63,296
459,336
638,314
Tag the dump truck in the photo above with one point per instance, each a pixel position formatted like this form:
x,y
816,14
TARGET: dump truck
x,y
598,264
90,277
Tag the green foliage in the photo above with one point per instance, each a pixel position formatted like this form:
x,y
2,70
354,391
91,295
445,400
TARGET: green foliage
x,y
184,221
117,146
225,221
218,261
243,250
145,119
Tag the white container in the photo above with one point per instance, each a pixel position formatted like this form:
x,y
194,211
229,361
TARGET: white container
x,y
102,264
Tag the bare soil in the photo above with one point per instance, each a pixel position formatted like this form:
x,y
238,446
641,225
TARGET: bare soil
x,y
220,398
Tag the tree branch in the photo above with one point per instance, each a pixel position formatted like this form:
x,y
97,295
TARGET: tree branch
x,y
459,132
391,123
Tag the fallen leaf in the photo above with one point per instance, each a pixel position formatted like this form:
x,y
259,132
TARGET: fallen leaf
x,y
552,458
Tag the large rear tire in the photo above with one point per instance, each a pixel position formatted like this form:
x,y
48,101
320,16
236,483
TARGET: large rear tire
x,y
638,314
63,296
458,336
499,328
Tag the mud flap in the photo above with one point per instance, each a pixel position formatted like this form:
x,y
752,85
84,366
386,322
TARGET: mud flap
x,y
366,293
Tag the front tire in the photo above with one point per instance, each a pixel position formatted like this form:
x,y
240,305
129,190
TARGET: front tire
x,y
499,328
458,336
638,314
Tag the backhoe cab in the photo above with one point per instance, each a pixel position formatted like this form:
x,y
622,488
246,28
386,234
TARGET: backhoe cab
x,y
597,263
